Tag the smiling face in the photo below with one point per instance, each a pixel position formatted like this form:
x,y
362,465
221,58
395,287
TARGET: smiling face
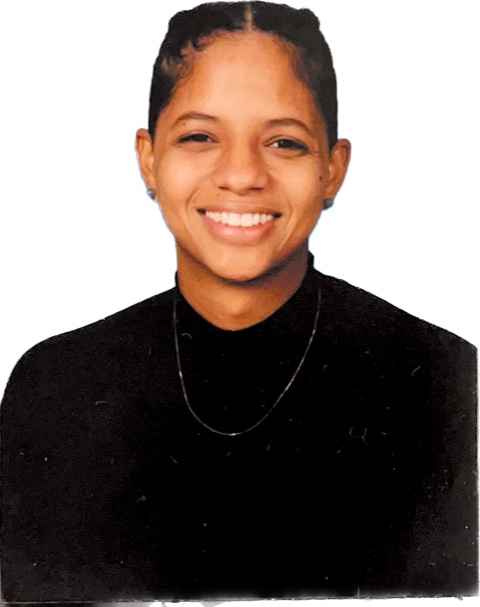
x,y
240,162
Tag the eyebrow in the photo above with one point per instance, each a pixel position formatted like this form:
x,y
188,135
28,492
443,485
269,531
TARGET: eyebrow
x,y
271,123
194,116
290,122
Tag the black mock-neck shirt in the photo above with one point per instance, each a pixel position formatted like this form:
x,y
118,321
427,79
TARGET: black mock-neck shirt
x,y
234,378
358,481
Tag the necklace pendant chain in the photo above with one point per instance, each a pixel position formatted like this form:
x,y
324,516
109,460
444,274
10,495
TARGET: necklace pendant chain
x,y
282,394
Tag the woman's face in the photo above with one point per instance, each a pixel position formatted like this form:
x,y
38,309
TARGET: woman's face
x,y
240,161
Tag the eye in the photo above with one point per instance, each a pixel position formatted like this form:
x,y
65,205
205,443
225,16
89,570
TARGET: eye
x,y
196,138
289,145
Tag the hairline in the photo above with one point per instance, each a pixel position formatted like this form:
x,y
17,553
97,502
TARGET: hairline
x,y
188,53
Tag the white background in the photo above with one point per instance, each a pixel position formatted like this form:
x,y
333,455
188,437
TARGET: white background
x,y
80,239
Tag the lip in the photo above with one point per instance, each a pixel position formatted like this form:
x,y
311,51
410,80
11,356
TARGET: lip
x,y
248,235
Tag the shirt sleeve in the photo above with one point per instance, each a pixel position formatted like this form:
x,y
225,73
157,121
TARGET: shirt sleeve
x,y
444,559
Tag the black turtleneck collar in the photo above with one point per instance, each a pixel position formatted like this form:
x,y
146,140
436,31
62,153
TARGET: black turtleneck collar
x,y
294,317
233,377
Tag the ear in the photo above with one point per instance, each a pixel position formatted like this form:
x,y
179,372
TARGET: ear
x,y
144,148
337,166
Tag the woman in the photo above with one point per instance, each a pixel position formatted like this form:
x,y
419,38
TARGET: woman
x,y
261,429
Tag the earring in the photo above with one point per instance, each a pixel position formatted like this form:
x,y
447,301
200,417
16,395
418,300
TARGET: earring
x,y
151,193
328,203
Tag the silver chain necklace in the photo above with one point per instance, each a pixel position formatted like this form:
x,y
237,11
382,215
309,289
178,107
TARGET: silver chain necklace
x,y
282,394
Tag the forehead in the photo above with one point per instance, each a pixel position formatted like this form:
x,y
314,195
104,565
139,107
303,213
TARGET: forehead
x,y
247,72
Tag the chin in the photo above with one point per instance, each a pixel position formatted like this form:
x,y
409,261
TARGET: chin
x,y
239,272
234,266
239,276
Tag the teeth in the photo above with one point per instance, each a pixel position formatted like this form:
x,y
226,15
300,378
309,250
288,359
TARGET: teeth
x,y
245,220
234,219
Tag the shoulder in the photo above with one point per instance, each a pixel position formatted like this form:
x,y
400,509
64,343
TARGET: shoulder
x,y
122,338
365,316
121,326
417,361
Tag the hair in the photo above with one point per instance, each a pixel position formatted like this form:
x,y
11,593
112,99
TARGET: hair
x,y
298,29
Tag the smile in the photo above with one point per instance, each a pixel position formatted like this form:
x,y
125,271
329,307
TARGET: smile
x,y
239,228
245,220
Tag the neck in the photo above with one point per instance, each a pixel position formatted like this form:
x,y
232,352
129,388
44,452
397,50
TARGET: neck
x,y
238,305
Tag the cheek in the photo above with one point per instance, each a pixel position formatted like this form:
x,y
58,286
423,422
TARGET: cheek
x,y
177,183
305,189
180,184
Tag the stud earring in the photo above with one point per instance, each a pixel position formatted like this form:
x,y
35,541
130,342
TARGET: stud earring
x,y
151,193
328,203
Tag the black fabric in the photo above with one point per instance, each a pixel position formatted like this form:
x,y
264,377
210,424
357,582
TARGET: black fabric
x,y
361,481
233,378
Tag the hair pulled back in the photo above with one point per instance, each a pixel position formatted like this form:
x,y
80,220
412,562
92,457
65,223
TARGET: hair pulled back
x,y
298,28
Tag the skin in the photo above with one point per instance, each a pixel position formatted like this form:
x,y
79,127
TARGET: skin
x,y
238,160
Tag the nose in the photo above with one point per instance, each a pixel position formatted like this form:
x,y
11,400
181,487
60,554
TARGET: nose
x,y
241,169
